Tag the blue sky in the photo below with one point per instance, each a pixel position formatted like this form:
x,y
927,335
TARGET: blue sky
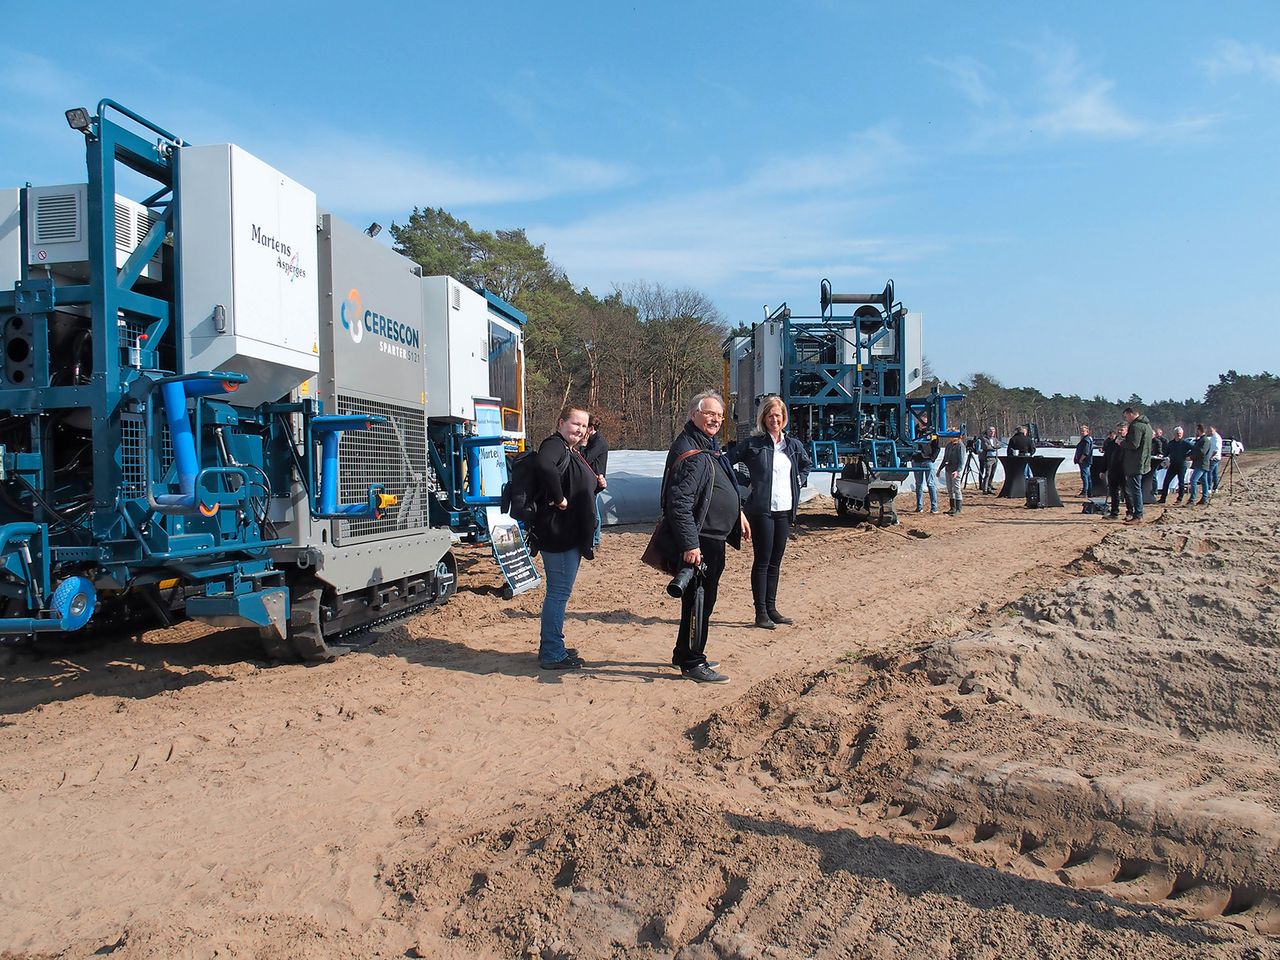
x,y
1082,200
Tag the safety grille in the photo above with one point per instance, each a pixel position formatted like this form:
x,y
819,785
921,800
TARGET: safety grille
x,y
393,454
132,465
57,219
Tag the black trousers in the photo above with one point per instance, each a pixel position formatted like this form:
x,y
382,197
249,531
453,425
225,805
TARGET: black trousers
x,y
1115,487
1174,469
769,534
685,654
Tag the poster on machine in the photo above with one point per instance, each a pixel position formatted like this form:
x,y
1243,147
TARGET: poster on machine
x,y
505,537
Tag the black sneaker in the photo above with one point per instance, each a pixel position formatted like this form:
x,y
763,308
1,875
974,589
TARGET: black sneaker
x,y
568,663
713,664
703,673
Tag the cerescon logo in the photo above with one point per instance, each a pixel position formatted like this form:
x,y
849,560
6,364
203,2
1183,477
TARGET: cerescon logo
x,y
352,315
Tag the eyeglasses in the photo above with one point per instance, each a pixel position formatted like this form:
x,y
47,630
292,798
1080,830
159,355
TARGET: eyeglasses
x,y
711,416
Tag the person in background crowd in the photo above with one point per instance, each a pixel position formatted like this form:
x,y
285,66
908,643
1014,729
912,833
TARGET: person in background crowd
x,y
1137,460
953,457
1084,460
922,458
988,457
779,467
1215,456
703,506
1022,445
596,454
1176,452
1158,444
1200,450
1113,453
564,533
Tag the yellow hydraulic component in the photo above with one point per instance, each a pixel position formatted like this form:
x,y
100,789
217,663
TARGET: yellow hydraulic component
x,y
387,500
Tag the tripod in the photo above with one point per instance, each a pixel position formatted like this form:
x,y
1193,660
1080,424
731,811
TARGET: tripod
x,y
967,476
1229,463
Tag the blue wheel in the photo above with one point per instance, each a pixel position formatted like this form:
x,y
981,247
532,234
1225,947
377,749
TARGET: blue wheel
x,y
73,602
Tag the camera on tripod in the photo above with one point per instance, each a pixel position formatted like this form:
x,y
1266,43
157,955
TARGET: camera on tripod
x,y
684,578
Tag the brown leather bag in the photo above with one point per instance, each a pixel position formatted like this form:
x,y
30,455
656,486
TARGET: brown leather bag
x,y
654,555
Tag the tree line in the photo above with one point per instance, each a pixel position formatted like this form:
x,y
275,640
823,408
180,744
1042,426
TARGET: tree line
x,y
635,355
1245,407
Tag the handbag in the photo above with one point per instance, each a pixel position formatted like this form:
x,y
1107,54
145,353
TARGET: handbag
x,y
654,555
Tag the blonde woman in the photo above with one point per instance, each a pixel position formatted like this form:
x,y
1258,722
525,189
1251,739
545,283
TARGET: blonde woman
x,y
779,467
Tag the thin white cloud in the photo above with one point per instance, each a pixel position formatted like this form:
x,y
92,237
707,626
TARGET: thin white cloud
x,y
1233,58
1064,100
371,175
970,77
780,226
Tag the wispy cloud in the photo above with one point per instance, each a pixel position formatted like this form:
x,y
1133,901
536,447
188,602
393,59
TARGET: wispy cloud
x,y
1065,99
1233,58
970,77
779,226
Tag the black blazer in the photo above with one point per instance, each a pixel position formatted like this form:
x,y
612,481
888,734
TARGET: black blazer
x,y
757,453
686,490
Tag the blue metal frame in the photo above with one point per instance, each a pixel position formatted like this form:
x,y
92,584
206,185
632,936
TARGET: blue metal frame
x,y
858,407
201,519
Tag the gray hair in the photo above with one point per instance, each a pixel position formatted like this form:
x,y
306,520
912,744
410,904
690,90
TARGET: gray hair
x,y
695,405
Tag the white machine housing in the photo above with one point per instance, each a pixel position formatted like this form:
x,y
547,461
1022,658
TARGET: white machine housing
x,y
58,231
767,348
10,238
456,331
247,239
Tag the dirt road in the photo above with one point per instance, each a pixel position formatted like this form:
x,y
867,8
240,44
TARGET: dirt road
x,y
177,797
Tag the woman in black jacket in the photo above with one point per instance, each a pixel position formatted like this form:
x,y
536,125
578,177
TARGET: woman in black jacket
x,y
779,467
563,529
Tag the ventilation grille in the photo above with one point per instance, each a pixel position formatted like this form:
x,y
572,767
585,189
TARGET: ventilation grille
x,y
455,296
125,239
132,466
393,454
57,218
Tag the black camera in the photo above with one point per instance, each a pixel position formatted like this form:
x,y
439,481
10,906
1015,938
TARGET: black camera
x,y
684,578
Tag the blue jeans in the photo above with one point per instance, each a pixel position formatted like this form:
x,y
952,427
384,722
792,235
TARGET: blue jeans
x,y
1199,478
931,481
561,570
1213,475
595,539
1133,487
1086,479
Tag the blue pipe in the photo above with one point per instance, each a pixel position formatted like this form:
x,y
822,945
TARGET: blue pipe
x,y
184,442
329,471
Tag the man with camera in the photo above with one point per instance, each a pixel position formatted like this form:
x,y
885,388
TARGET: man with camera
x,y
703,507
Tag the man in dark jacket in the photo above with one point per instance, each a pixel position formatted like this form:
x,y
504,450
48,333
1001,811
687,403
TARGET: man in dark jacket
x,y
1113,464
988,457
703,507
596,453
1177,450
1137,459
1084,460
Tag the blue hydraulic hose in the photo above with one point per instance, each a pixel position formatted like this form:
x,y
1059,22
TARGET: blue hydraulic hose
x,y
184,443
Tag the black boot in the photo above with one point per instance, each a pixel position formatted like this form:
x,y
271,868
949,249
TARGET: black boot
x,y
776,617
771,602
763,621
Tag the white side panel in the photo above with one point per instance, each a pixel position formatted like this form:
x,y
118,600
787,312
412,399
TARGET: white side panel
x,y
247,237
10,238
456,342
468,349
913,349
435,343
767,341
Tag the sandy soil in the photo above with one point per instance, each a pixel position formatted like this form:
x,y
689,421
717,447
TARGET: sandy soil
x,y
1009,733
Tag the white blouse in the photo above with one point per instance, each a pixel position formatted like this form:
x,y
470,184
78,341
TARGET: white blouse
x,y
781,489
